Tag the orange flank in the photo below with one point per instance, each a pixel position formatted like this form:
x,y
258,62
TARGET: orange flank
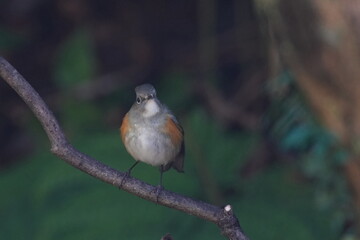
x,y
175,131
124,127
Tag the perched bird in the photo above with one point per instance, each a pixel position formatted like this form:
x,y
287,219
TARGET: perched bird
x,y
152,134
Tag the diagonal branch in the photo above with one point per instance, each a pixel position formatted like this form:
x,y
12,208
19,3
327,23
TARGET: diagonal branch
x,y
224,218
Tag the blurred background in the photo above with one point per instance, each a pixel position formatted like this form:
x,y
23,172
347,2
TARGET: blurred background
x,y
267,93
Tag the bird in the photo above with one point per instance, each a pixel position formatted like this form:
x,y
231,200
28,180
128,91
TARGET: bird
x,y
152,134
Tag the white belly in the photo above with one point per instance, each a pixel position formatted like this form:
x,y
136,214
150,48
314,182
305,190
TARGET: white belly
x,y
150,147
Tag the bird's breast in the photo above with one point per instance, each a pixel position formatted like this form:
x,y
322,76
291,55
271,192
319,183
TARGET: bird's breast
x,y
149,145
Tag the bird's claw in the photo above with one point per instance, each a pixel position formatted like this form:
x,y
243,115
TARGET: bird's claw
x,y
127,174
157,192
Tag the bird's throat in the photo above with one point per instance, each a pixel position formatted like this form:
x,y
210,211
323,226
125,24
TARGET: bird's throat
x,y
151,108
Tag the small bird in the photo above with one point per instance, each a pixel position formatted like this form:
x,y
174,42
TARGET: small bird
x,y
152,134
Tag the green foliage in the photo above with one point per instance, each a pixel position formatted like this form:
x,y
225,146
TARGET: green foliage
x,y
214,148
75,61
76,64
78,117
319,154
281,208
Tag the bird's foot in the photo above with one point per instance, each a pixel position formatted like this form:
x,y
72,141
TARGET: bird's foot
x,y
127,174
158,191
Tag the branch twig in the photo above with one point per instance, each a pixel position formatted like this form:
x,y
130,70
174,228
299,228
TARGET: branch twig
x,y
224,218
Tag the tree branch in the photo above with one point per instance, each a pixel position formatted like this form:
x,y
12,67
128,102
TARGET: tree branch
x,y
224,218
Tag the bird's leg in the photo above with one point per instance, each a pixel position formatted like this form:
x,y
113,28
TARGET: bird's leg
x,y
127,173
159,187
161,174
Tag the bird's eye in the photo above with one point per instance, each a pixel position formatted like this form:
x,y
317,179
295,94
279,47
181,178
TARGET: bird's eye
x,y
138,100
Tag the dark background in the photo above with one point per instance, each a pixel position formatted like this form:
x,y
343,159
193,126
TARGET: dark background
x,y
251,139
